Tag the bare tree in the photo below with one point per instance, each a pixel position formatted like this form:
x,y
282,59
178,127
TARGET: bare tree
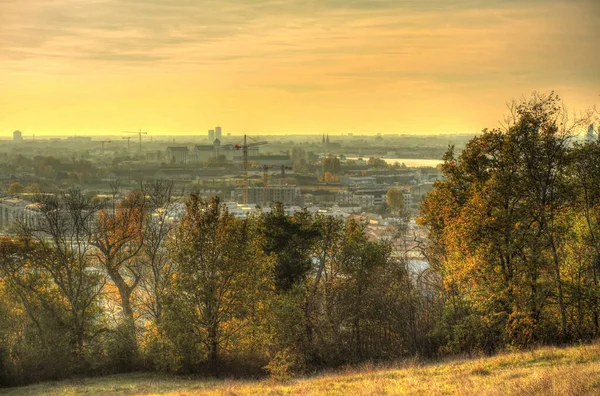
x,y
156,267
57,230
118,238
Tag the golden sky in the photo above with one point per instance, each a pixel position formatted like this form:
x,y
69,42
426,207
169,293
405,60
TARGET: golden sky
x,y
288,66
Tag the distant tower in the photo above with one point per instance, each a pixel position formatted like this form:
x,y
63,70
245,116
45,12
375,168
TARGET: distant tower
x,y
218,134
323,141
17,136
211,135
327,141
590,133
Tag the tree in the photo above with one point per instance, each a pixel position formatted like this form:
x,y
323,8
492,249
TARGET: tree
x,y
332,165
497,228
49,270
377,163
585,173
60,232
15,188
395,200
352,295
118,238
330,178
221,277
291,239
156,267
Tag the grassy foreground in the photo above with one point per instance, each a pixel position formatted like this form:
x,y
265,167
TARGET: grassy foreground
x,y
546,371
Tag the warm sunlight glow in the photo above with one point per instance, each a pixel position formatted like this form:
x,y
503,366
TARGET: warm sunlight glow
x,y
288,66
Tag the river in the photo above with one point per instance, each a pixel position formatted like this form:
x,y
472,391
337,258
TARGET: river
x,y
410,162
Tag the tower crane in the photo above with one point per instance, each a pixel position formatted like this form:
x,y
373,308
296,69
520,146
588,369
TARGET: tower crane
x,y
139,133
102,143
244,147
128,141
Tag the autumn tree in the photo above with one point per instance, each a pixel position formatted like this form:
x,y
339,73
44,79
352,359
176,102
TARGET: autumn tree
x,y
50,274
15,188
585,177
328,177
496,226
377,163
395,201
155,265
118,239
59,228
332,165
351,290
221,277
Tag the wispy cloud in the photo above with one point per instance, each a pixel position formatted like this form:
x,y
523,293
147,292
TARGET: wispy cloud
x,y
348,48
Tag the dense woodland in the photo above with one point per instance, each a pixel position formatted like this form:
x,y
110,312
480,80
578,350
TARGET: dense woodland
x,y
113,285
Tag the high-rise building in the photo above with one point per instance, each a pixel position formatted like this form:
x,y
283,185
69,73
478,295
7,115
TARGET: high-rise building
x,y
211,135
218,134
17,136
590,133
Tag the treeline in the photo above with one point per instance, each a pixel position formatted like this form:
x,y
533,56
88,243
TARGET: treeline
x,y
515,233
98,286
95,286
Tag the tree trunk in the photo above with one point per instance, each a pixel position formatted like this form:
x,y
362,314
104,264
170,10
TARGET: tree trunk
x,y
213,348
561,303
129,320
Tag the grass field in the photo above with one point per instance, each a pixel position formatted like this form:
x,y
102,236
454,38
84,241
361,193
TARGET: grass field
x,y
546,371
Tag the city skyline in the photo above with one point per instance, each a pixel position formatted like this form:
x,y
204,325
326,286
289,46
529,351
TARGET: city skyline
x,y
288,66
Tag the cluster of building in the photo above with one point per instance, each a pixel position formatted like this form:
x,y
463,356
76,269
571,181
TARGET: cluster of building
x,y
221,152
202,153
369,197
14,210
265,195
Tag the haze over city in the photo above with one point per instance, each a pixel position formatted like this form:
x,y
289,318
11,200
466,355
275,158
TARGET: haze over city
x,y
288,66
307,197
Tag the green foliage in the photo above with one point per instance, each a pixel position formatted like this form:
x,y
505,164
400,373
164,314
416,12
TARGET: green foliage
x,y
283,365
501,227
223,277
395,200
377,163
290,239
115,285
332,165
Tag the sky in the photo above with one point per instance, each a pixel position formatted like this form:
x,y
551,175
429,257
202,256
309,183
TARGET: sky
x,y
288,66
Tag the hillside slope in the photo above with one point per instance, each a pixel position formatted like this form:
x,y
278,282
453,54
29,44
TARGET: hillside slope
x,y
545,371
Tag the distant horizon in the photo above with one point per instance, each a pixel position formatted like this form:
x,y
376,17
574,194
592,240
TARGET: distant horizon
x,y
29,137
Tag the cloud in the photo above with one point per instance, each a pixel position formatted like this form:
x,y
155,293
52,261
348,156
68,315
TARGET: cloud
x,y
312,47
211,30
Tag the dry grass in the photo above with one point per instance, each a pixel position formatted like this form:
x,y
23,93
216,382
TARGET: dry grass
x,y
546,371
